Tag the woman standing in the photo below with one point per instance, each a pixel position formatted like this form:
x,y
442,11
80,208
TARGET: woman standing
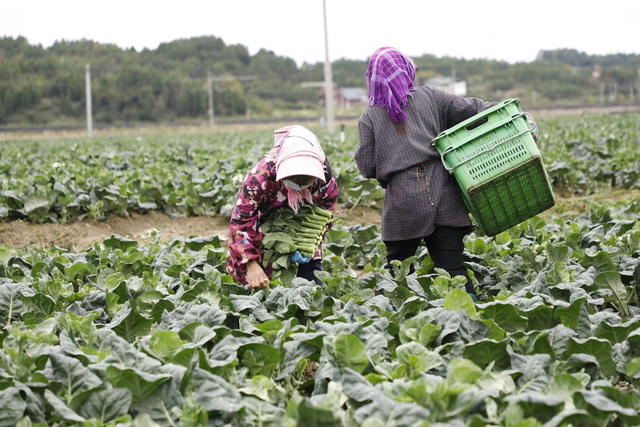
x,y
422,200
295,171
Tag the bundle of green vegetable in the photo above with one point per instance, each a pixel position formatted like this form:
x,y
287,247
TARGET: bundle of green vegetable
x,y
286,232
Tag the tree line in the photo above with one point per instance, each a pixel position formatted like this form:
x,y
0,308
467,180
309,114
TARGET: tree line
x,y
46,85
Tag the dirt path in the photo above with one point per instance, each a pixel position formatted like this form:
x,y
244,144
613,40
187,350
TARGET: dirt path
x,y
80,235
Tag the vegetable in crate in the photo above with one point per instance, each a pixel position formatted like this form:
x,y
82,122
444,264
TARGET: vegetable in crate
x,y
293,173
422,201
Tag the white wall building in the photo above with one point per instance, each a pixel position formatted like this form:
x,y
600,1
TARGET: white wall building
x,y
449,84
349,97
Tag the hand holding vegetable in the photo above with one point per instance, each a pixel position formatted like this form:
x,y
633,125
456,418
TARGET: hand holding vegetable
x,y
293,238
298,258
255,276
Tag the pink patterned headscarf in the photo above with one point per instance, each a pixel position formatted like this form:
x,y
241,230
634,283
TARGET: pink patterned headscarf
x,y
296,148
390,77
278,138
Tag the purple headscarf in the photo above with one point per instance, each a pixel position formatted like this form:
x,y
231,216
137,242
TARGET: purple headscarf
x,y
390,79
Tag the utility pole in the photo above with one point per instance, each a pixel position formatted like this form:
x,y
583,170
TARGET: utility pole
x,y
87,84
210,89
638,90
613,92
601,93
328,78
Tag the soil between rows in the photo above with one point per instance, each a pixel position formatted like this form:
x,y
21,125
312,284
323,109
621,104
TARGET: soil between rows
x,y
82,234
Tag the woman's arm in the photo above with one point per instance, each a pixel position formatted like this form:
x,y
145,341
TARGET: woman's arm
x,y
366,153
244,236
458,108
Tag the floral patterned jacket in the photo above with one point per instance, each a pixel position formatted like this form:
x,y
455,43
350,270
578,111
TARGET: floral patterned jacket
x,y
261,193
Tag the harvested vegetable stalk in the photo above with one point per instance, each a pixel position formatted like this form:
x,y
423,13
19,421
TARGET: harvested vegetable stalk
x,y
286,232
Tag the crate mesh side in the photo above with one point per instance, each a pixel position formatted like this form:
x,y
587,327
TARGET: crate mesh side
x,y
484,142
499,158
512,198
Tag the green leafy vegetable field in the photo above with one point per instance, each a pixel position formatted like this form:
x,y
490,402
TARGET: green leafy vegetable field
x,y
132,334
68,180
124,334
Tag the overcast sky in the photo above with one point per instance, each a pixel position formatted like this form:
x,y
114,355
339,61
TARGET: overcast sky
x,y
509,30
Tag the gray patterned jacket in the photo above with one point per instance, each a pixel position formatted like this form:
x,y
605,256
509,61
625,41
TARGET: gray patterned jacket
x,y
420,193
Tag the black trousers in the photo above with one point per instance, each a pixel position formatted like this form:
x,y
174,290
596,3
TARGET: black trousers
x,y
306,270
445,248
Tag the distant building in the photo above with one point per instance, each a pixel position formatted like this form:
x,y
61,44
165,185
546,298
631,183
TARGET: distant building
x,y
449,84
352,97
319,86
345,97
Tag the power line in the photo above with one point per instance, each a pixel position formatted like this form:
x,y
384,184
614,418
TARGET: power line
x,y
328,78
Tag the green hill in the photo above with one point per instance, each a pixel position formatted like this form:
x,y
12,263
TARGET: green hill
x,y
46,85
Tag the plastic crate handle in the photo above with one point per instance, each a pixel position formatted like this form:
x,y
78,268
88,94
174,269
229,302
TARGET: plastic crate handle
x,y
483,131
476,132
452,148
470,121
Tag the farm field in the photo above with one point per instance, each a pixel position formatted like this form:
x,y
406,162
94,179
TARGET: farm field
x,y
155,332
68,180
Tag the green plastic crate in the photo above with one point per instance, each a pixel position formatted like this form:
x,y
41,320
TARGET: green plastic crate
x,y
498,167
